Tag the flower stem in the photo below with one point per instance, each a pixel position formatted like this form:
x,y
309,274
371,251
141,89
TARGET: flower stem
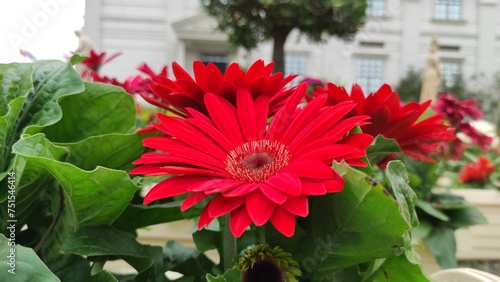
x,y
229,245
260,234
54,222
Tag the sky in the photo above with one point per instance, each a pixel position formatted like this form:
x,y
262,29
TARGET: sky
x,y
43,27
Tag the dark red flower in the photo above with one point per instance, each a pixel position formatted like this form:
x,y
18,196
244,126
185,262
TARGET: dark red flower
x,y
459,113
254,171
392,119
479,170
455,110
188,92
481,139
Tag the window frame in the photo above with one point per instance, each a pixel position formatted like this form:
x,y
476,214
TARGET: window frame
x,y
217,58
381,8
449,77
301,72
448,14
370,83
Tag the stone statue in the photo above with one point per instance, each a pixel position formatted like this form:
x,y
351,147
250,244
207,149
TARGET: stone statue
x,y
84,43
84,47
431,80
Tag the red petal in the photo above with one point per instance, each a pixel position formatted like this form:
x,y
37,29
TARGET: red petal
x,y
192,200
273,194
221,205
192,136
239,221
284,222
303,119
241,190
150,170
171,187
335,185
310,169
297,205
312,187
286,182
259,208
261,115
282,120
223,115
217,186
204,219
246,114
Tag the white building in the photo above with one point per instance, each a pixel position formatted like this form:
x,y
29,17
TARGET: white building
x,y
396,36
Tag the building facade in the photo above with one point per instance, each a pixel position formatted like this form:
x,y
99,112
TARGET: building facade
x,y
396,36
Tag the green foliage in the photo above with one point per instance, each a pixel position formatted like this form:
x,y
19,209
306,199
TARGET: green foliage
x,y
232,275
440,214
67,145
410,86
250,22
328,248
27,265
458,88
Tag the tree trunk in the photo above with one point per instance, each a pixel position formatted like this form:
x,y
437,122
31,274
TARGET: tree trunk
x,y
279,35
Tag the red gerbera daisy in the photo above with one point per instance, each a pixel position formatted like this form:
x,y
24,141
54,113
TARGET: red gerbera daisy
x,y
479,170
390,118
254,171
188,92
96,60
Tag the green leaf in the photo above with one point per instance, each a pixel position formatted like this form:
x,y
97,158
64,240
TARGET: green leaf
x,y
232,275
71,268
32,180
398,269
104,241
465,217
380,148
96,197
441,242
138,216
101,109
357,225
185,260
429,209
116,151
77,58
29,95
18,263
103,276
406,198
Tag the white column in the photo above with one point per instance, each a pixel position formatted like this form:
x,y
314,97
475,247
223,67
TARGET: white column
x,y
410,35
486,30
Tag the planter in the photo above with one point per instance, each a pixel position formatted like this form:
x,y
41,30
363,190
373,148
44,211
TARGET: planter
x,y
480,242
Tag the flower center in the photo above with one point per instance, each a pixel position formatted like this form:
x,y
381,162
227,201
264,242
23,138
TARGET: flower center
x,y
266,270
256,161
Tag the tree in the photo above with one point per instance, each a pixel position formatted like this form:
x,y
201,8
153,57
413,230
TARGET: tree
x,y
249,22
410,86
458,88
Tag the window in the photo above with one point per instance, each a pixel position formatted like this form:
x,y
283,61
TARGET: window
x,y
448,10
219,60
450,72
296,64
369,73
375,8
